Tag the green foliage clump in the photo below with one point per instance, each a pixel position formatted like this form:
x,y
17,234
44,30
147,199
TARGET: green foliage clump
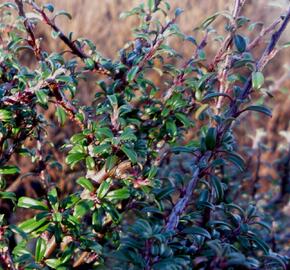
x,y
125,211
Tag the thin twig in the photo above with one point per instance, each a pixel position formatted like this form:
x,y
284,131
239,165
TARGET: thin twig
x,y
72,45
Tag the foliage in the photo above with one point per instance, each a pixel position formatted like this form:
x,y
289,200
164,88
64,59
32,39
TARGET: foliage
x,y
125,213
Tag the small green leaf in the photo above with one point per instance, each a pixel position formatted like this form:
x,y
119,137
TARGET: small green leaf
x,y
103,188
63,12
236,160
85,183
74,158
42,97
27,202
171,128
5,115
210,139
257,80
90,163
102,149
132,73
151,5
8,196
61,115
90,63
111,161
113,100
197,230
40,249
286,45
240,43
49,7
53,263
9,169
53,199
130,153
178,11
32,224
218,188
183,119
200,110
119,194
261,109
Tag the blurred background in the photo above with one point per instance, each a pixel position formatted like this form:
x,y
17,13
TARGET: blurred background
x,y
265,142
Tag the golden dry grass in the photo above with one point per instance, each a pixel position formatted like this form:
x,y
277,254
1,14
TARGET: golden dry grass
x,y
99,20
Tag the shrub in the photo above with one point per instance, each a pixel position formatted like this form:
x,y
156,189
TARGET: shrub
x,y
126,211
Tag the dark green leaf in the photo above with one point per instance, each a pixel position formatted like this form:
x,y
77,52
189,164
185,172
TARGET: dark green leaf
x,y
261,109
240,43
130,153
132,73
85,183
27,202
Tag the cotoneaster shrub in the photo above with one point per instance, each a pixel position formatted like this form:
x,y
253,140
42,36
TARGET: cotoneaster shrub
x,y
127,211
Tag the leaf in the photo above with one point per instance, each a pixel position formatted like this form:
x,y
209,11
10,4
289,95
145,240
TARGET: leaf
x,y
257,80
5,115
61,115
164,193
236,160
64,13
240,43
214,95
128,135
119,194
197,230
90,63
53,263
74,158
130,153
210,139
260,243
200,110
85,183
49,7
218,188
8,196
151,5
207,22
183,119
90,163
53,199
132,73
103,188
111,161
264,225
42,97
113,100
27,202
178,11
286,45
9,169
40,249
261,109
171,128
102,149
30,225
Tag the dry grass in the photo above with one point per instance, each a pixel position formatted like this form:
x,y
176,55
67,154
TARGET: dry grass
x,y
99,20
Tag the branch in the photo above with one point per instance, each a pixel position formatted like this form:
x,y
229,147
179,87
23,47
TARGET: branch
x,y
180,206
29,30
229,39
74,48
